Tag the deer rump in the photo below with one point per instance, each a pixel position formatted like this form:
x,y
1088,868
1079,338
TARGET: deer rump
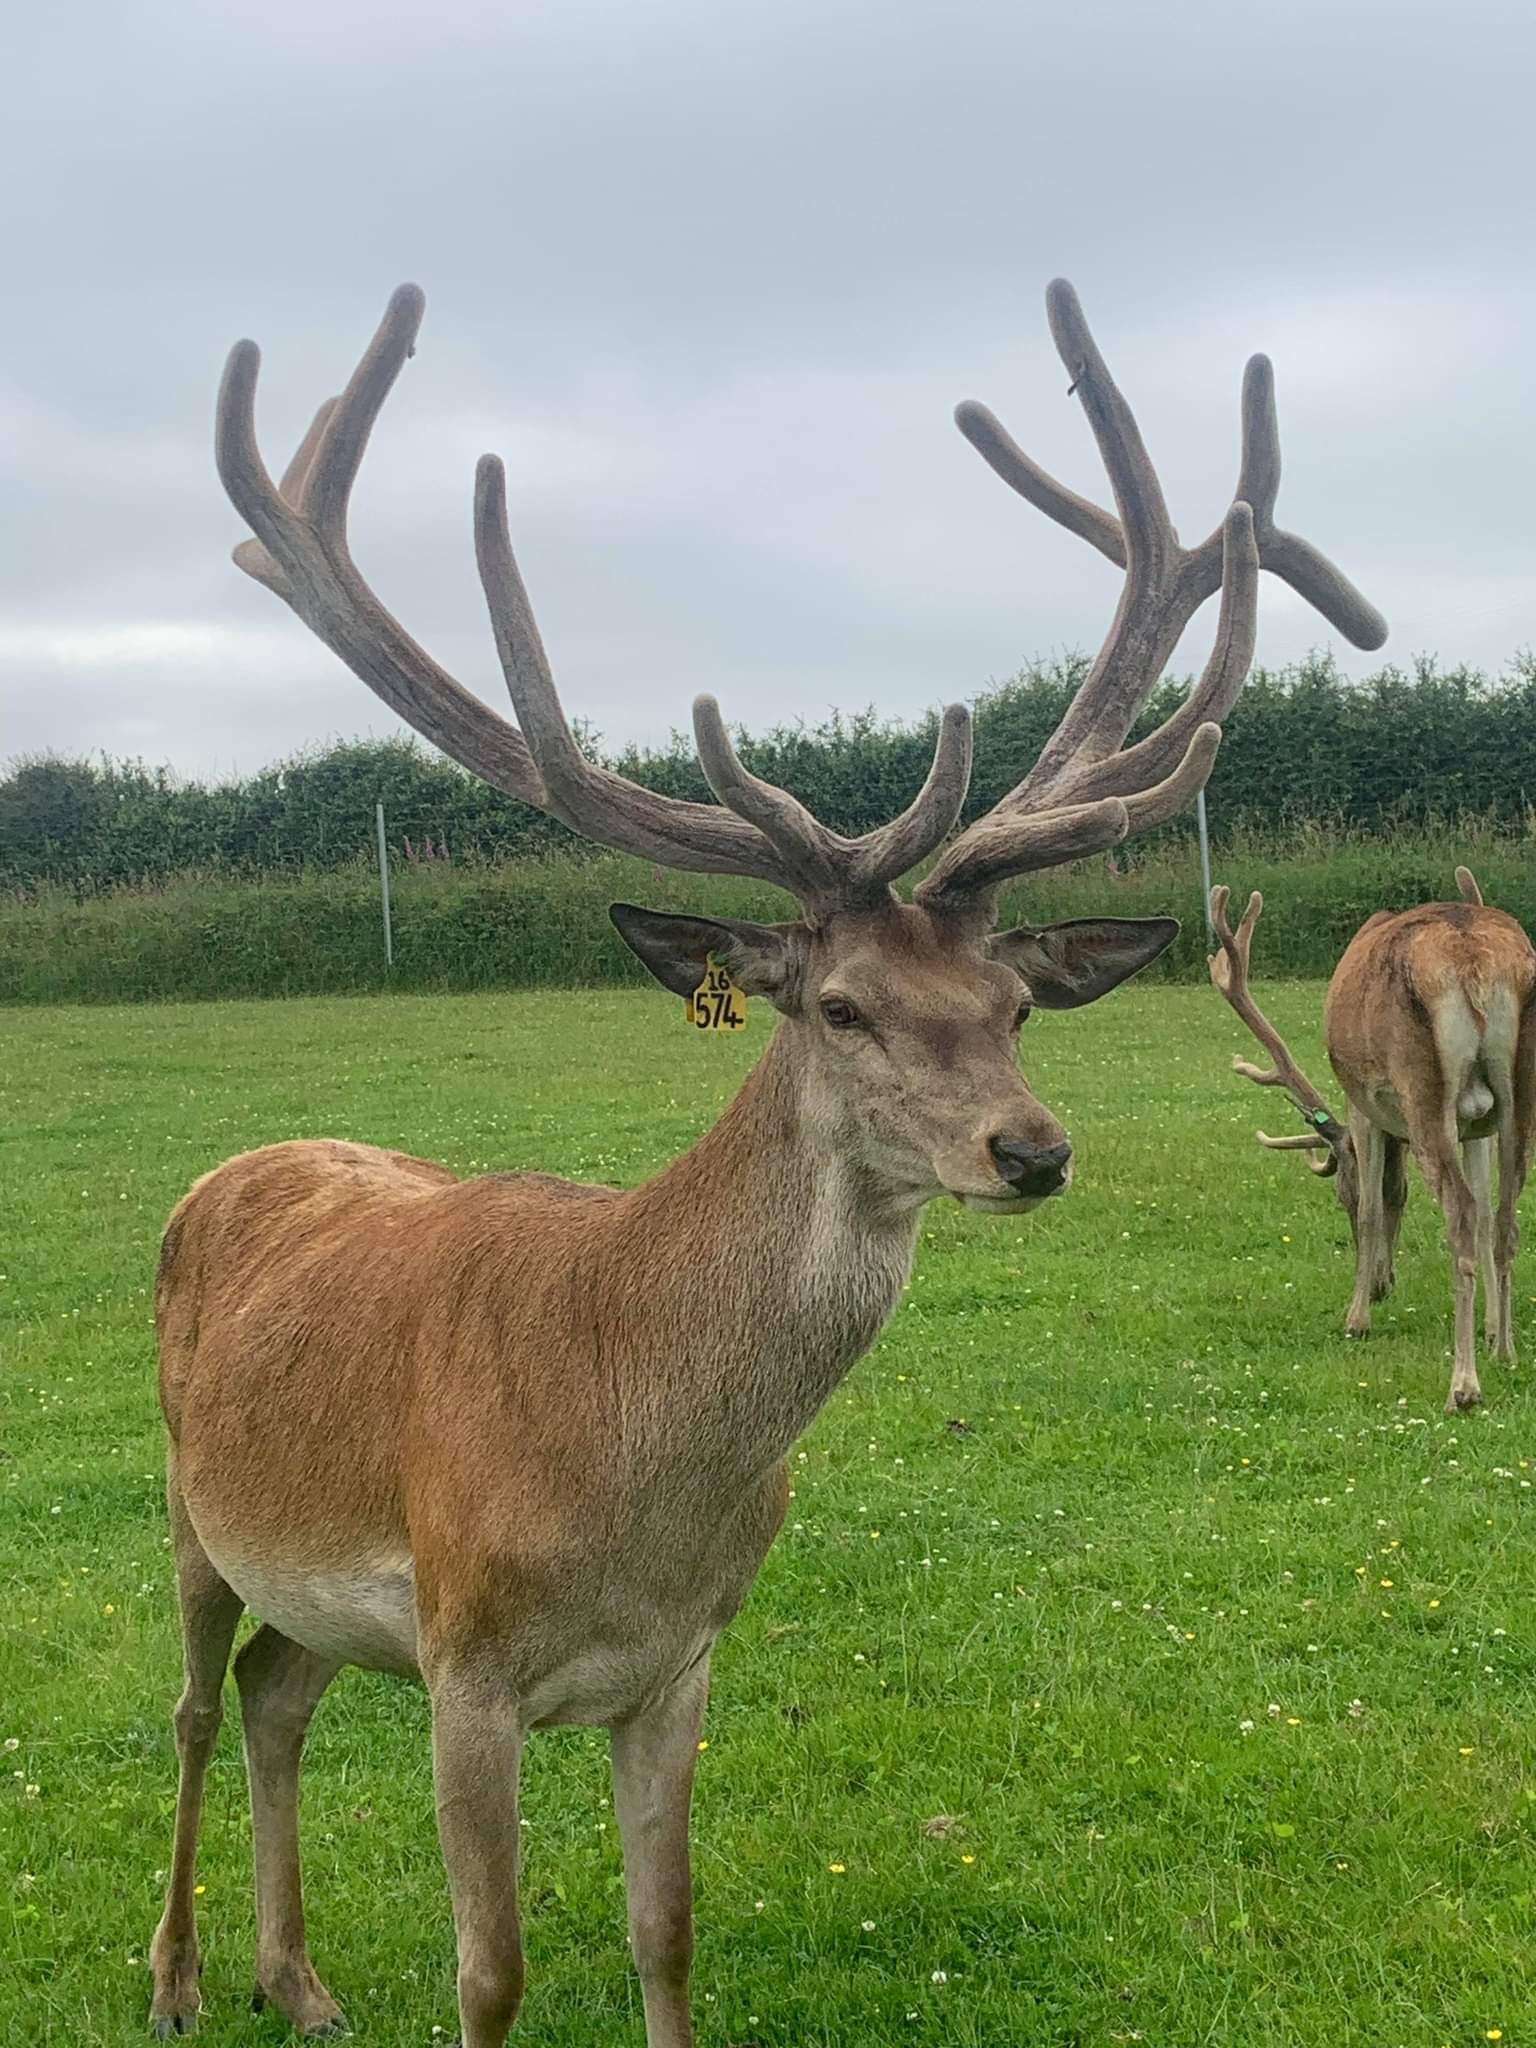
x,y
1428,1030
1457,1038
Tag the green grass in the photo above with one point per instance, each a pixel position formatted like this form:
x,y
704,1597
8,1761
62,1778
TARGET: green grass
x,y
1211,1636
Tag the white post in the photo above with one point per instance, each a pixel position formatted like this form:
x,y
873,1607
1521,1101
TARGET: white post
x,y
389,943
1205,870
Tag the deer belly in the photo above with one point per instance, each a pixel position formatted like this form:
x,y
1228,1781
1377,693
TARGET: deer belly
x,y
363,1614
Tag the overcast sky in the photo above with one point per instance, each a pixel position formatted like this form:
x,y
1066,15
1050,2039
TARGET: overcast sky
x,y
712,277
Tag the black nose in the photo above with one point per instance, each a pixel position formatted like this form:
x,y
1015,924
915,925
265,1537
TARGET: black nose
x,y
1031,1169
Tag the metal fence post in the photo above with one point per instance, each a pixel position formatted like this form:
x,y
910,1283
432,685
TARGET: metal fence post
x,y
389,943
1205,870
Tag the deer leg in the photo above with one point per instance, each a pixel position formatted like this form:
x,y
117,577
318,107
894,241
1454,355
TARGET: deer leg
x,y
280,1686
1515,1114
1515,1152
1373,1251
209,1614
1477,1164
477,1743
1442,1169
654,1755
1394,1200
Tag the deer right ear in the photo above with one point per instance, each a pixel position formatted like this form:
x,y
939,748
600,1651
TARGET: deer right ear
x,y
762,959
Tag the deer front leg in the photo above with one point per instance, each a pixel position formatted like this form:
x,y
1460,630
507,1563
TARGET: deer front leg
x,y
477,1745
1373,1239
654,1755
1394,1200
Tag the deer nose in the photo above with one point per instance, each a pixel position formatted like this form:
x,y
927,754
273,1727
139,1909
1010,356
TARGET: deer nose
x,y
1030,1169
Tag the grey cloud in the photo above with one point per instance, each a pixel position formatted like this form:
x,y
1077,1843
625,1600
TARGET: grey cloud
x,y
712,279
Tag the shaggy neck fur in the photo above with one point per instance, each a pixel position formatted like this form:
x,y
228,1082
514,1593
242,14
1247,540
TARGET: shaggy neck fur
x,y
782,1263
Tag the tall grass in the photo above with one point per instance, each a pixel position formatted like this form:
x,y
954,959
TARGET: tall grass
x,y
542,922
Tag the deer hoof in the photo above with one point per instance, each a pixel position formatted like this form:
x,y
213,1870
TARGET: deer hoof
x,y
1461,1398
290,1984
171,2025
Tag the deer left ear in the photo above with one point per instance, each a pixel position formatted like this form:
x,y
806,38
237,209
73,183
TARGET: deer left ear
x,y
762,959
1067,965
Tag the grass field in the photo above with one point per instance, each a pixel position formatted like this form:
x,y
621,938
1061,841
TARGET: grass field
x,y
1140,1662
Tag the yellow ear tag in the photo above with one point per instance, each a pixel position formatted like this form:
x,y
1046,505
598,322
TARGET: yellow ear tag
x,y
717,1004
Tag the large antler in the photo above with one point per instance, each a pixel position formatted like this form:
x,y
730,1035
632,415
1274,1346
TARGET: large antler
x,y
1229,973
300,550
1087,789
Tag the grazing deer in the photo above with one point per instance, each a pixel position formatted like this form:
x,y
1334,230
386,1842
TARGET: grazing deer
x,y
527,1438
1430,1030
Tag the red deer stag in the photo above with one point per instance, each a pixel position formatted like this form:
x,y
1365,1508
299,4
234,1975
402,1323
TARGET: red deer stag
x,y
487,1431
1429,1029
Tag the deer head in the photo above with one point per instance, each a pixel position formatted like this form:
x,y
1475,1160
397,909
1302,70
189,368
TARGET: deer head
x,y
1324,1134
899,1018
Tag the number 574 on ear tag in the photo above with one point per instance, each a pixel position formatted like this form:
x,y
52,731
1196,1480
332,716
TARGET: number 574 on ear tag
x,y
717,1004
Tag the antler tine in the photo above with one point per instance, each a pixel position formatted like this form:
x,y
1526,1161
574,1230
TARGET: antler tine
x,y
1146,530
590,799
296,475
320,582
1212,698
1466,886
1003,844
1325,1169
824,862
343,441
890,850
808,847
1229,975
1294,560
997,447
1139,643
1258,468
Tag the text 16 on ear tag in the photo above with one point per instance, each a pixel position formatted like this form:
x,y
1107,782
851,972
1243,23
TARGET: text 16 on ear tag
x,y
717,1004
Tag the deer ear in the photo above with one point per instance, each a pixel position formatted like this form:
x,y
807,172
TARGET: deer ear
x,y
762,959
1067,965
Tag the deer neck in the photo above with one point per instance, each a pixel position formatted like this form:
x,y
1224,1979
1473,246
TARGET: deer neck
x,y
783,1260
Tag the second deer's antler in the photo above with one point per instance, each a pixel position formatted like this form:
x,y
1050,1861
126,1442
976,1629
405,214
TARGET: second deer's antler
x,y
1229,975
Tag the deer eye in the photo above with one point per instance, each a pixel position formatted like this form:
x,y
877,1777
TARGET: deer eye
x,y
840,1013
1022,1016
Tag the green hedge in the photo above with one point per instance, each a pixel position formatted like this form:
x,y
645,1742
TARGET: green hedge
x,y
542,923
1303,743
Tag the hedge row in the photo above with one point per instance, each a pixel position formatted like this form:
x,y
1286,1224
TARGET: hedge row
x,y
1399,750
540,923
